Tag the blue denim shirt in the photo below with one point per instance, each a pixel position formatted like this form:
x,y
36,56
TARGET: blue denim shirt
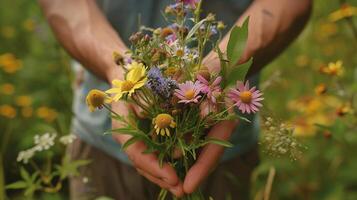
x,y
123,16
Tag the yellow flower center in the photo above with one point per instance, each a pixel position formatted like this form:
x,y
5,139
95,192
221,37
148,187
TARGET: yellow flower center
x,y
163,120
246,96
190,94
180,53
127,86
96,98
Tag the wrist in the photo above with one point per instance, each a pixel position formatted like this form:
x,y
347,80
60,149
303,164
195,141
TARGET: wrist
x,y
114,69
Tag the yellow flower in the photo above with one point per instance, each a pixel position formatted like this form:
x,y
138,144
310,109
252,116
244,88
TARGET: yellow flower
x,y
8,32
7,89
46,113
7,111
334,69
343,110
162,123
321,89
135,79
9,63
305,126
29,25
96,99
170,71
23,101
134,65
302,60
344,12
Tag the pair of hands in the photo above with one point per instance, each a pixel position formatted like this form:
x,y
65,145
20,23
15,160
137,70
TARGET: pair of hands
x,y
165,176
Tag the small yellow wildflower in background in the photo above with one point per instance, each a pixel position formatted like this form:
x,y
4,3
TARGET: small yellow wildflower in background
x,y
345,11
7,111
162,123
325,30
7,89
334,69
321,89
8,32
96,99
305,126
302,60
313,110
10,63
29,25
46,113
23,101
344,110
135,79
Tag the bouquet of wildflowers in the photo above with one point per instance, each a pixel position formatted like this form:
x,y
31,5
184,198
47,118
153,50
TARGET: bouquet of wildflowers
x,y
179,97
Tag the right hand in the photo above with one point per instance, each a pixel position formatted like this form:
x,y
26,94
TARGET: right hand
x,y
147,164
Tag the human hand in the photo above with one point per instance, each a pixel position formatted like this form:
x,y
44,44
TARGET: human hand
x,y
209,156
147,164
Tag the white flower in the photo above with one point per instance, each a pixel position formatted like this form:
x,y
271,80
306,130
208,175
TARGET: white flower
x,y
44,141
85,180
25,156
67,139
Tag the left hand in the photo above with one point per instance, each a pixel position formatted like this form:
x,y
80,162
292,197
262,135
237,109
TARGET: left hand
x,y
209,156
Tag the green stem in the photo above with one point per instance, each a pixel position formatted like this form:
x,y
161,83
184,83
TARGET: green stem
x,y
2,178
6,138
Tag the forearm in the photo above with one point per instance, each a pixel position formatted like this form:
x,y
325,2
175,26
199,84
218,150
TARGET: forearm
x,y
273,24
84,32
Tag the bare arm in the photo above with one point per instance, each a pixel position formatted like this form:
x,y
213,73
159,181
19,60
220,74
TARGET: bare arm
x,y
85,33
273,25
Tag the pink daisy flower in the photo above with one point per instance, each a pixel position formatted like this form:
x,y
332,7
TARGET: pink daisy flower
x,y
211,90
247,100
189,92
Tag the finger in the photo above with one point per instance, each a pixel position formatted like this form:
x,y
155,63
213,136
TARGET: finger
x,y
139,112
208,156
150,163
176,190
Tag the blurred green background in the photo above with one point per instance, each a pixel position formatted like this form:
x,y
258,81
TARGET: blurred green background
x,y
35,97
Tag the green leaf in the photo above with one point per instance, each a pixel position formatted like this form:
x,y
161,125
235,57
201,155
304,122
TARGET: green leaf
x,y
25,175
69,167
130,142
104,198
224,66
125,131
217,141
161,158
17,185
194,29
324,127
237,42
238,73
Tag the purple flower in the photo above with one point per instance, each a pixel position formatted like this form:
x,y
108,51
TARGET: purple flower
x,y
171,38
213,30
160,85
212,90
245,98
189,92
191,3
